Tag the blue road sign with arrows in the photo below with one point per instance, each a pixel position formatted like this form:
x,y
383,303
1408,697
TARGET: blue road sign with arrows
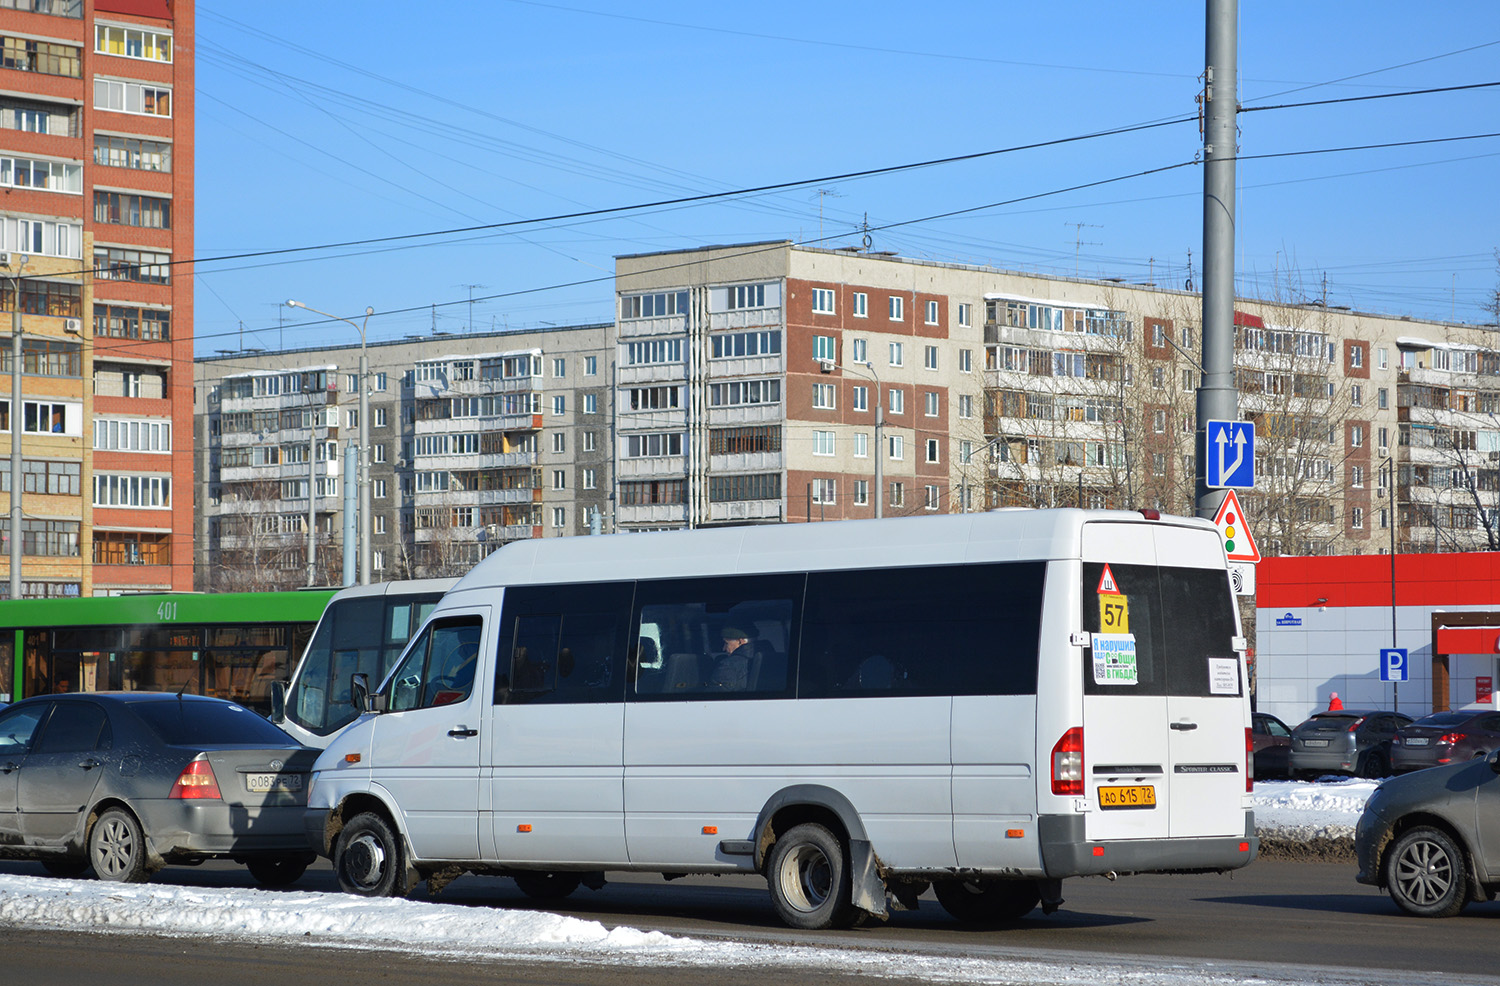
x,y
1229,460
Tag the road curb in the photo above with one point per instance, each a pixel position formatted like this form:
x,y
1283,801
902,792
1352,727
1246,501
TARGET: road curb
x,y
1320,849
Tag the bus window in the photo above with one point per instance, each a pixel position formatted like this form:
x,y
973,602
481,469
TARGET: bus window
x,y
720,636
561,644
348,639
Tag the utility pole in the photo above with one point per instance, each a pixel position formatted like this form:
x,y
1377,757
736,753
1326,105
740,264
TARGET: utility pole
x,y
1218,398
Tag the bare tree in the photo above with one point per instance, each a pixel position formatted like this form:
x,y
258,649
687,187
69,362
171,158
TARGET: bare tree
x,y
262,547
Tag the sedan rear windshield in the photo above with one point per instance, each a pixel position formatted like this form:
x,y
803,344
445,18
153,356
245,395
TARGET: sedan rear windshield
x,y
211,724
1444,719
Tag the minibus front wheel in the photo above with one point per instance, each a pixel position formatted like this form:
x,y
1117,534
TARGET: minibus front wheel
x,y
808,873
368,858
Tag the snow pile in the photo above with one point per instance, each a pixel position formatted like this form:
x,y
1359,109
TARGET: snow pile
x,y
1301,811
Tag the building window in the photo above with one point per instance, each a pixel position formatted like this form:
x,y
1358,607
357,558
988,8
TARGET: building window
x,y
932,313
560,404
132,152
591,366
1357,436
930,357
559,441
738,392
589,440
896,401
1356,395
653,446
654,305
559,479
932,450
747,296
732,489
1158,464
965,314
132,97
1357,518
930,399
1158,378
125,264
44,57
823,443
43,236
897,308
1381,358
37,117
825,491
128,209
822,301
734,344
559,367
1159,421
861,305
861,352
1356,356
655,398
150,492
379,452
590,403
897,446
132,435
50,176
861,445
898,353
380,419
657,351
966,361
559,517
823,395
965,405
589,480
861,492
1383,399
129,42
823,349
1357,476
931,497
377,489
861,398
898,494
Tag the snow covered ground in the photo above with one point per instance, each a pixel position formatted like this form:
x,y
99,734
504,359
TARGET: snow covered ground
x,y
484,933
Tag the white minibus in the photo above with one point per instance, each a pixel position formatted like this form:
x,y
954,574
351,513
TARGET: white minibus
x,y
362,631
983,703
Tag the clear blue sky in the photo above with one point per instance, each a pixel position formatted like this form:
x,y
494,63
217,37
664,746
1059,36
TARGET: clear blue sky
x,y
322,123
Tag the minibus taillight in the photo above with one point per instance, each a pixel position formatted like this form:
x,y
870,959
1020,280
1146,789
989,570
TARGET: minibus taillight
x,y
1067,763
197,780
1249,759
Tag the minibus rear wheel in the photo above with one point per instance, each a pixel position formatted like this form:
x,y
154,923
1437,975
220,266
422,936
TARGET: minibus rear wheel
x,y
987,902
808,873
368,858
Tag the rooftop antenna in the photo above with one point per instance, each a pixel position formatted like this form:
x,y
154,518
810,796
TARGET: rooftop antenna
x,y
865,229
1078,243
1188,284
471,288
822,194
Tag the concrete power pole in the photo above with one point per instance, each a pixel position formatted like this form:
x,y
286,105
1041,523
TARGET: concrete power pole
x,y
1217,393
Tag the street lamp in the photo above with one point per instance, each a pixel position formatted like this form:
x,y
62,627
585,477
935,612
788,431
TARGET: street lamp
x,y
364,437
15,425
828,365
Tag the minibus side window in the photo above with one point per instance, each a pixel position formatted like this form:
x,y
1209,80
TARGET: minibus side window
x,y
563,644
936,630
1133,614
728,637
439,668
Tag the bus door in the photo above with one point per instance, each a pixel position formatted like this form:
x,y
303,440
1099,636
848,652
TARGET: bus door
x,y
425,748
1163,700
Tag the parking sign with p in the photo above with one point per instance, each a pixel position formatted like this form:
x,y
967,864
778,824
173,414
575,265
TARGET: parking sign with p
x,y
1393,664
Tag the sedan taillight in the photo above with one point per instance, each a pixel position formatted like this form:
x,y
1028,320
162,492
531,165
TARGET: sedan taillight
x,y
1452,739
197,780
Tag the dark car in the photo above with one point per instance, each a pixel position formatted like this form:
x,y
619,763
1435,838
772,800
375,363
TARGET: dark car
x,y
1431,838
127,782
1348,741
1445,737
1272,742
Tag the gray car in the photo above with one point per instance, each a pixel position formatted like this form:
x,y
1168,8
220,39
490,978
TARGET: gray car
x,y
1346,741
127,782
1431,838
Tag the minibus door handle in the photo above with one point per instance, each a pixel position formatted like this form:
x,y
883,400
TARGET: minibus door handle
x,y
1184,726
462,732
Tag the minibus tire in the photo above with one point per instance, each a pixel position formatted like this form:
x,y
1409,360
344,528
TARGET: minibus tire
x,y
984,903
808,875
368,859
276,871
547,886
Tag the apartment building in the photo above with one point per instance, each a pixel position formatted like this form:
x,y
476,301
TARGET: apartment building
x,y
96,160
475,440
767,382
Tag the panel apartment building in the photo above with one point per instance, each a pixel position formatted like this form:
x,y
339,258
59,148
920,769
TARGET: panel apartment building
x,y
768,382
96,226
475,440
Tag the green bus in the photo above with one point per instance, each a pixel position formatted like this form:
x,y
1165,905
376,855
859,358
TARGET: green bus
x,y
230,645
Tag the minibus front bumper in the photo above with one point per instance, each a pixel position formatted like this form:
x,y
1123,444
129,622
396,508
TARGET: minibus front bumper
x,y
315,827
1065,851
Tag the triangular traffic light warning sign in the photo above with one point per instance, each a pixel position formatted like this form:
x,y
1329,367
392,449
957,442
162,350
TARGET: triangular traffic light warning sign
x,y
1235,529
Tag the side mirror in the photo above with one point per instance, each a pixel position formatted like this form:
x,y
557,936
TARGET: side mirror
x,y
278,701
1494,761
359,692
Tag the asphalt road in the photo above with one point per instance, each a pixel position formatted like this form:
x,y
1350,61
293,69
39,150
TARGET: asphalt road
x,y
1298,913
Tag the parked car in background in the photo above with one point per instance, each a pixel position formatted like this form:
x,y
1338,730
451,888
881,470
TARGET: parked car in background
x,y
1428,838
1445,737
1272,742
127,782
1347,741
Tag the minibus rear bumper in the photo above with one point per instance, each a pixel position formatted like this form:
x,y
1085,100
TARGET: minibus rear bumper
x,y
1065,851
